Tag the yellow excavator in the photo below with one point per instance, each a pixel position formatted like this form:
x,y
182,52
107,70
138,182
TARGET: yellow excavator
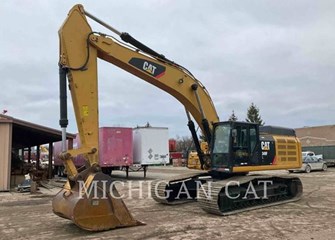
x,y
234,148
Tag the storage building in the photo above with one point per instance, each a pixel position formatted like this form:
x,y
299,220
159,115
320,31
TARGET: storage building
x,y
319,139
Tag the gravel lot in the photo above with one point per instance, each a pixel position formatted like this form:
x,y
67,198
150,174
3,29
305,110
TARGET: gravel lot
x,y
27,216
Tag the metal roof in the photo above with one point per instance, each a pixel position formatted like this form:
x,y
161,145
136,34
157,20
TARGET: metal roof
x,y
27,134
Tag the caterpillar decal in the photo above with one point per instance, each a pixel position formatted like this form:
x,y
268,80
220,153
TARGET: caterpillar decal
x,y
149,67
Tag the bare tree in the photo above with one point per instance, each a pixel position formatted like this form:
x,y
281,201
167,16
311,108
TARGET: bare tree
x,y
184,144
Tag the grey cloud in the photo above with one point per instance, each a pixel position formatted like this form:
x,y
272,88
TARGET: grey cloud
x,y
277,54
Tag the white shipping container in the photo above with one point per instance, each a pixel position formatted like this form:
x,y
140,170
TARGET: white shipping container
x,y
150,145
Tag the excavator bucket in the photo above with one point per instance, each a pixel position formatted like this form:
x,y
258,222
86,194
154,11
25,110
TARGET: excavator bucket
x,y
93,204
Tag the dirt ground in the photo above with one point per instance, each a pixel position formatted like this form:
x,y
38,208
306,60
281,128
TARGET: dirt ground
x,y
27,216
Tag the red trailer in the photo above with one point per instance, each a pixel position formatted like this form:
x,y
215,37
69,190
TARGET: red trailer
x,y
115,150
172,145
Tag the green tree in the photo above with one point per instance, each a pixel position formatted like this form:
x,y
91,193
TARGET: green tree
x,y
233,117
253,115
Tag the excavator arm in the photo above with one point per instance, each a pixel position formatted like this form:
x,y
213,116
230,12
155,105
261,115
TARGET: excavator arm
x,y
79,49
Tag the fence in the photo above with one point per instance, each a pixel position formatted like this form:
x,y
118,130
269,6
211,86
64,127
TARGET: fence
x,y
328,152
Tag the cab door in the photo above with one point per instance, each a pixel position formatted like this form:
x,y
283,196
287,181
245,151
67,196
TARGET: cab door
x,y
244,144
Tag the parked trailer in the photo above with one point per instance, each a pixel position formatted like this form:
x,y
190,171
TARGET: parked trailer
x,y
115,150
151,145
172,145
175,157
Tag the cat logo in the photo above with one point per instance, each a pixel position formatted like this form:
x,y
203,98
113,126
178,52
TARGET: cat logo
x,y
265,146
149,68
152,68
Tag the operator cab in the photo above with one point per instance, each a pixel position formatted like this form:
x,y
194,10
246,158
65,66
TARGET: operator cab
x,y
234,144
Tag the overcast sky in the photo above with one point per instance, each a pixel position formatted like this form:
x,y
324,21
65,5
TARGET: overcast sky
x,y
278,54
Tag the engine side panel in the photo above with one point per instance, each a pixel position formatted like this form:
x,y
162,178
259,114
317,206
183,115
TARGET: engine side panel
x,y
277,152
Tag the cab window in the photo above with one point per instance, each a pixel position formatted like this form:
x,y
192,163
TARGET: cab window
x,y
221,142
